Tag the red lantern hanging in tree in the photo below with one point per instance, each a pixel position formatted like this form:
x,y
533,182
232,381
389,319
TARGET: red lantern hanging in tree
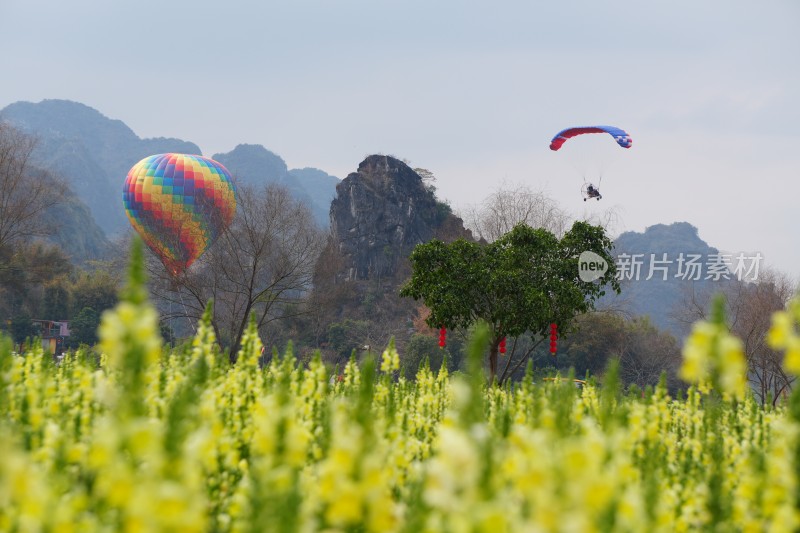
x,y
553,338
442,337
502,346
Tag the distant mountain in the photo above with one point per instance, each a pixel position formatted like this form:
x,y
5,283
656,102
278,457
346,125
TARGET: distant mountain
x,y
660,267
252,164
76,231
320,187
94,153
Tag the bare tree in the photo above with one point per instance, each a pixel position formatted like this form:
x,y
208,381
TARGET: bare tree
x,y
646,353
507,207
262,265
749,307
26,192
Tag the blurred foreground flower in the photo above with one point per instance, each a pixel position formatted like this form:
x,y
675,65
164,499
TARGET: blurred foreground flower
x,y
713,355
783,335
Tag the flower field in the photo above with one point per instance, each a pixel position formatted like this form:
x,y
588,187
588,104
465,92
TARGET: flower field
x,y
157,439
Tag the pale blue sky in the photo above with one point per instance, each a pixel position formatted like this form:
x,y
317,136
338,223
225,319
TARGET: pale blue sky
x,y
470,90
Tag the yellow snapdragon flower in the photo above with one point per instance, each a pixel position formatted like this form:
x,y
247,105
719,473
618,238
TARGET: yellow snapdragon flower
x,y
129,323
712,354
783,335
390,360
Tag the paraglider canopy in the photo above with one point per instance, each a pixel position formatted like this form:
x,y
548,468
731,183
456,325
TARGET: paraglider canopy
x,y
179,204
622,138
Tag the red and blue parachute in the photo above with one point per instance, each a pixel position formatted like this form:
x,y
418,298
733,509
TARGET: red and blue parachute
x,y
622,138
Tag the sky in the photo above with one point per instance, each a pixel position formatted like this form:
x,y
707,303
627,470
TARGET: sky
x,y
472,91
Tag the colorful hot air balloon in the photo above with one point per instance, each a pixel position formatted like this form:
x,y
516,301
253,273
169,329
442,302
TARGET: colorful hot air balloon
x,y
179,204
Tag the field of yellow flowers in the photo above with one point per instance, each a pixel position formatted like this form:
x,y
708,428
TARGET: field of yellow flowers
x,y
156,439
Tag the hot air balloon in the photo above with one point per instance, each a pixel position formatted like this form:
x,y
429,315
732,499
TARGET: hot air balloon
x,y
179,204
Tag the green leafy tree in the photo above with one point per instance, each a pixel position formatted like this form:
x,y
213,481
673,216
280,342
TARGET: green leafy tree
x,y
83,328
25,270
418,349
56,301
598,338
98,290
522,282
644,352
22,328
349,335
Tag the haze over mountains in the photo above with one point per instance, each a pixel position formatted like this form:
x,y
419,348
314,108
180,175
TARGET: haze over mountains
x,y
94,153
660,267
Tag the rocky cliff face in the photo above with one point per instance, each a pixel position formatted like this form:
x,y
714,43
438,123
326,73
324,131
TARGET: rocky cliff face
x,y
379,214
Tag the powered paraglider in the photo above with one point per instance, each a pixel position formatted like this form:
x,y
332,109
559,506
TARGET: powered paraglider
x,y
589,190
